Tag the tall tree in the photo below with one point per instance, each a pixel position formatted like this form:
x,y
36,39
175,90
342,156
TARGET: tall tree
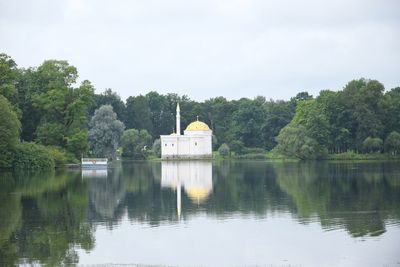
x,y
105,132
64,108
8,80
108,97
248,122
390,105
9,132
139,113
278,114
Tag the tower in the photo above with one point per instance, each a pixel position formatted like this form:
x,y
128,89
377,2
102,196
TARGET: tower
x,y
178,120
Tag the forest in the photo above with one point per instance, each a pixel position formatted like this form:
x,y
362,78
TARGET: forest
x,y
47,119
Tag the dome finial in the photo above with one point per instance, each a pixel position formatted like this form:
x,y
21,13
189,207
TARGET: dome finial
x,y
197,117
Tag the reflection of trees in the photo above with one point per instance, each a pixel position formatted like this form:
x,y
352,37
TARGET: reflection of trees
x,y
46,219
105,194
358,197
43,217
245,187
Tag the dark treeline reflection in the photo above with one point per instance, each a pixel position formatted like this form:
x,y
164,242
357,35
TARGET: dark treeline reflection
x,y
45,218
358,197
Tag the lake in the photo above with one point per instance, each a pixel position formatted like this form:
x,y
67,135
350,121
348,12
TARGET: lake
x,y
200,213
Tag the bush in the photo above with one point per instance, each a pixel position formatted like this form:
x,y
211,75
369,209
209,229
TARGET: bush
x,y
253,150
59,155
134,143
252,156
31,156
224,150
237,147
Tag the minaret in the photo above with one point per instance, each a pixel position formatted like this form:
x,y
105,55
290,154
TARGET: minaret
x,y
178,120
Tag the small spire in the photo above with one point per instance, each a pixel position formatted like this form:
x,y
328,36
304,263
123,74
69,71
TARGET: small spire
x,y
178,109
197,117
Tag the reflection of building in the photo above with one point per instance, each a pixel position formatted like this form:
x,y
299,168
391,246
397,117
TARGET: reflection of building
x,y
94,173
196,142
194,176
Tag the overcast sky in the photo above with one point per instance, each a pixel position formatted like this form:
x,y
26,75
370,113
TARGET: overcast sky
x,y
209,48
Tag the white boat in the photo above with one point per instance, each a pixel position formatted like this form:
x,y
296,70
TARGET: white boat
x,y
94,163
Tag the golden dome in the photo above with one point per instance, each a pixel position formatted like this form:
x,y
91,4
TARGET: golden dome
x,y
198,194
197,126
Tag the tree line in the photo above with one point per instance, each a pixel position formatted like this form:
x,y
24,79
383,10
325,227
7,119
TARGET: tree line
x,y
44,107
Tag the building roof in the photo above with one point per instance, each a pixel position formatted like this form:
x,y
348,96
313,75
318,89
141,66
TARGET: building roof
x,y
197,126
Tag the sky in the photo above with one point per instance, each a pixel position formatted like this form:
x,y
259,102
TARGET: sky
x,y
209,48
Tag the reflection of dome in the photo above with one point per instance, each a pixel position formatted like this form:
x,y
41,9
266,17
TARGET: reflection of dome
x,y
198,194
197,126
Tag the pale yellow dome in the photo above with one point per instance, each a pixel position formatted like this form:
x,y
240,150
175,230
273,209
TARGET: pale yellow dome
x,y
198,194
197,126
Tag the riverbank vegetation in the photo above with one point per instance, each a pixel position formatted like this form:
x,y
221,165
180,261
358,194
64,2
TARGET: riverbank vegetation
x,y
45,106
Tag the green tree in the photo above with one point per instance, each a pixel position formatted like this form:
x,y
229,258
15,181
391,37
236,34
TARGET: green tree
x,y
220,112
135,143
8,80
156,147
159,117
390,105
294,141
306,136
63,108
278,115
392,143
105,132
372,144
108,97
224,150
248,122
362,112
9,132
139,113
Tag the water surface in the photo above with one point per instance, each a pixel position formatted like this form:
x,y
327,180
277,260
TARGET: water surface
x,y
199,213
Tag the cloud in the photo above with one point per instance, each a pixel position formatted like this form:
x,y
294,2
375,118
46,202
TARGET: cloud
x,y
211,47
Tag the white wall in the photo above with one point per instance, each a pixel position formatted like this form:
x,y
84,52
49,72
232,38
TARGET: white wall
x,y
192,143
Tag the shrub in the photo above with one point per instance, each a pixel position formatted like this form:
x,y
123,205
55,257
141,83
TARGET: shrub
x,y
31,156
237,146
252,156
134,143
224,150
59,155
253,150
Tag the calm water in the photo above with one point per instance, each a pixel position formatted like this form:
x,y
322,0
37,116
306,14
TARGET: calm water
x,y
204,214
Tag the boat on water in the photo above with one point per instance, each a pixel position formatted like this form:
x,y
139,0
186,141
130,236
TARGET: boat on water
x,y
94,163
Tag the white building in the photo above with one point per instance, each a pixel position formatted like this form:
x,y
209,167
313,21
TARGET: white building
x,y
196,141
